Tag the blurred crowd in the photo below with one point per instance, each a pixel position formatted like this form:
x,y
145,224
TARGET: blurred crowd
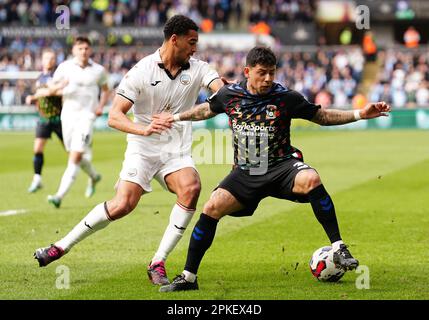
x,y
403,79
154,13
329,77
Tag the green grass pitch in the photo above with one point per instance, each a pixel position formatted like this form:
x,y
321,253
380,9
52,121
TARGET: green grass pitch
x,y
379,181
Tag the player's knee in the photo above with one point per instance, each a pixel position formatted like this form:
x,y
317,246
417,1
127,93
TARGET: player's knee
x,y
75,157
312,181
212,210
191,192
122,207
306,181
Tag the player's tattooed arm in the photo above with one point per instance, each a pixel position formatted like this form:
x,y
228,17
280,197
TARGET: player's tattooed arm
x,y
199,112
329,117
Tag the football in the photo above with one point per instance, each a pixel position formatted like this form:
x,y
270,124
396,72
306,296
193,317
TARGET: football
x,y
322,265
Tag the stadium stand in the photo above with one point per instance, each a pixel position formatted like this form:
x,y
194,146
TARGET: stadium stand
x,y
323,71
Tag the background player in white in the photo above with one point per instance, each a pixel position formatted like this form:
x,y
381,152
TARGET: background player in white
x,y
168,80
83,79
49,116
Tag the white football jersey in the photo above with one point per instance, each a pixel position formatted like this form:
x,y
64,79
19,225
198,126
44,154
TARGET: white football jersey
x,y
82,91
152,89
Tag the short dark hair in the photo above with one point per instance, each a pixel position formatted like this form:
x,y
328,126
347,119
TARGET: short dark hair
x,y
82,39
180,25
261,55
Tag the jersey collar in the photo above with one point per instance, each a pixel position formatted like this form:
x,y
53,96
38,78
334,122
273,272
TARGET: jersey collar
x,y
90,62
243,85
162,66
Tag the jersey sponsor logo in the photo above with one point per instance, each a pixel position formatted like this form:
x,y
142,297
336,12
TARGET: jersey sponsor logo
x,y
251,127
272,111
185,79
155,83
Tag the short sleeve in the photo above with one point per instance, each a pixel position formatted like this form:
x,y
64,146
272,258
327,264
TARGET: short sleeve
x,y
299,107
216,101
103,78
209,74
60,73
130,86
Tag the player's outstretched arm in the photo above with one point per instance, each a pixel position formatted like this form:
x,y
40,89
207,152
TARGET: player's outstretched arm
x,y
329,117
118,119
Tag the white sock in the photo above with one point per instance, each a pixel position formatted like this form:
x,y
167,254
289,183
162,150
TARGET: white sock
x,y
189,276
179,220
336,245
68,178
37,178
95,220
87,166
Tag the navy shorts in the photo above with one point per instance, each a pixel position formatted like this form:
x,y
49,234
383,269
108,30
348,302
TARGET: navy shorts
x,y
277,182
45,128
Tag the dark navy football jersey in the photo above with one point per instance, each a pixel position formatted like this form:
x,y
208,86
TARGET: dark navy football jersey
x,y
49,107
261,123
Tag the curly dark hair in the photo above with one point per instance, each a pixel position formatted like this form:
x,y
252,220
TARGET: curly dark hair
x,y
179,25
261,55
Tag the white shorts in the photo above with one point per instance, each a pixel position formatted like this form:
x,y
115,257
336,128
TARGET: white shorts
x,y
77,132
141,165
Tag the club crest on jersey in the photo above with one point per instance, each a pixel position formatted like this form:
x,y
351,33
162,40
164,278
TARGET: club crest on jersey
x,y
237,111
185,79
272,111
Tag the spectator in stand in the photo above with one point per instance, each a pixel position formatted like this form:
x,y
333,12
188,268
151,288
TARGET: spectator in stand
x,y
42,12
359,101
349,83
411,37
7,94
422,95
376,91
369,47
323,98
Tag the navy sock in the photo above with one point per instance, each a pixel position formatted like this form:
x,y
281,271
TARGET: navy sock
x,y
201,239
38,163
324,210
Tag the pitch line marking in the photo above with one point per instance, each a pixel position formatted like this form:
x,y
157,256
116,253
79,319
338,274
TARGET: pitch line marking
x,y
12,212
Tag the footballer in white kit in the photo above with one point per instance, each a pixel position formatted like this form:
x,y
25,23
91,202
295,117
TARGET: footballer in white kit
x,y
152,89
80,101
79,81
168,80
